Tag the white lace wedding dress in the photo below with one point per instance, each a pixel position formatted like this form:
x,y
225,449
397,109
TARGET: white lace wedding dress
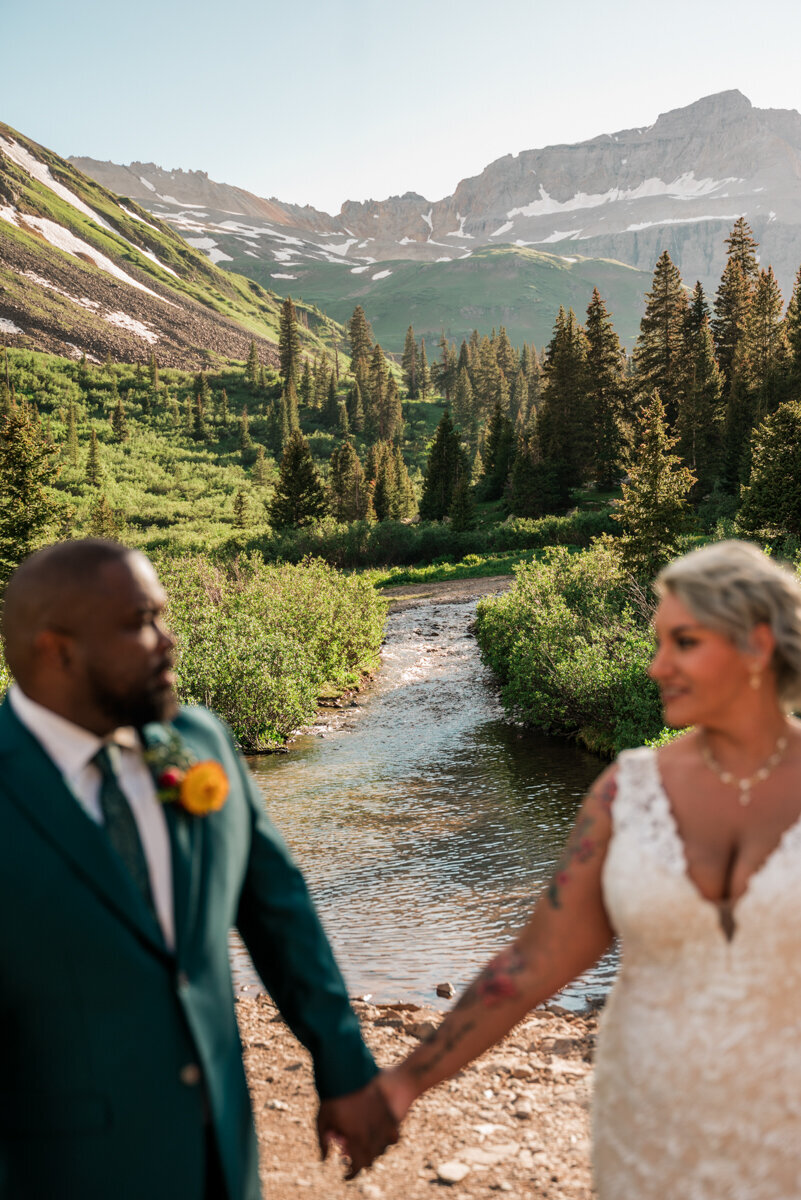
x,y
698,1077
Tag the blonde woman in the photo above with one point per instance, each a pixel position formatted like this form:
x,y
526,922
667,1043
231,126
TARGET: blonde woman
x,y
692,856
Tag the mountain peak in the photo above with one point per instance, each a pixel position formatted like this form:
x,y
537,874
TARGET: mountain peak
x,y
716,109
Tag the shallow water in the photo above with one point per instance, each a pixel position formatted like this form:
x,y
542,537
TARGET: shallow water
x,y
424,822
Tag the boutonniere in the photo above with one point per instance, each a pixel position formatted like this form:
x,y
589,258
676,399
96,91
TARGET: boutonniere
x,y
198,787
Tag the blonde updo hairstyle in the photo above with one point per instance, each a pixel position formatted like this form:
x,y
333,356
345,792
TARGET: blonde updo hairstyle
x,y
732,586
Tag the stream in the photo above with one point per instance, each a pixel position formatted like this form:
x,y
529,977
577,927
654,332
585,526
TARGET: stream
x,y
425,823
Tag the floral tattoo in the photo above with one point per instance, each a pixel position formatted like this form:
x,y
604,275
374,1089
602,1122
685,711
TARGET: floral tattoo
x,y
581,845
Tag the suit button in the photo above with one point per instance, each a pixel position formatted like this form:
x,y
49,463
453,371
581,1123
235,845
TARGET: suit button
x,y
190,1075
182,980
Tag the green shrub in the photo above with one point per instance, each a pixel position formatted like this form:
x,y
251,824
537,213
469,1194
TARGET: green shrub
x,y
571,648
258,643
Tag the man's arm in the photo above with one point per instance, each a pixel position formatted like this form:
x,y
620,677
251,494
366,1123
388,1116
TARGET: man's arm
x,y
568,932
291,952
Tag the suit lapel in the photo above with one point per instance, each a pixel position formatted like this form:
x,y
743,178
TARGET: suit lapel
x,y
35,786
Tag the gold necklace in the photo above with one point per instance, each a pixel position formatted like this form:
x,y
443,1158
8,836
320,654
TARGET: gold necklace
x,y
744,785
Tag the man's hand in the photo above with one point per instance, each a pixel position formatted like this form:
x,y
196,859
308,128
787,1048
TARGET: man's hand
x,y
360,1123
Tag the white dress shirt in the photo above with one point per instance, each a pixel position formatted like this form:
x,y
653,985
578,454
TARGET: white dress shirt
x,y
72,749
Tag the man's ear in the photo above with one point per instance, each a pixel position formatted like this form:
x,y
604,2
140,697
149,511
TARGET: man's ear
x,y
54,649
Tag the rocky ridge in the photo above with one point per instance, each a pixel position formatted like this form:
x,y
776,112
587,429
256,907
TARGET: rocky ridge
x,y
677,184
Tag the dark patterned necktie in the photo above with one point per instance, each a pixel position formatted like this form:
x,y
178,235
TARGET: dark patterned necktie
x,y
120,823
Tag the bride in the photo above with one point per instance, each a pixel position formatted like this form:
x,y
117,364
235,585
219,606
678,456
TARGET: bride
x,y
691,854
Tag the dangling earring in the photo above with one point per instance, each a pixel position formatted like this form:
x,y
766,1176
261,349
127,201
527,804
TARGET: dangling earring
x,y
756,680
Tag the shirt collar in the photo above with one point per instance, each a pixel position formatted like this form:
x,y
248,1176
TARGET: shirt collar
x,y
70,746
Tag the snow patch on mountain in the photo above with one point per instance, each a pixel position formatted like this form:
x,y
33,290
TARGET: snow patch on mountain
x,y
124,321
507,225
684,187
681,221
380,274
41,173
136,217
64,240
7,326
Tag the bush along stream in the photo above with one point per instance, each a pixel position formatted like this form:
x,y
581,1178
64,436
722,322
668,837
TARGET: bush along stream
x,y
570,644
259,643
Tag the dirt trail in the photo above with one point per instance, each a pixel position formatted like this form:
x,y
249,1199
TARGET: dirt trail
x,y
449,591
515,1122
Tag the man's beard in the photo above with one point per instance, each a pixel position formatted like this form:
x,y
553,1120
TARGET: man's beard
x,y
154,702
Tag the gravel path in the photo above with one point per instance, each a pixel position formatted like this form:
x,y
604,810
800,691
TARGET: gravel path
x,y
515,1122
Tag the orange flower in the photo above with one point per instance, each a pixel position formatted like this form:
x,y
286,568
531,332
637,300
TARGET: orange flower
x,y
204,788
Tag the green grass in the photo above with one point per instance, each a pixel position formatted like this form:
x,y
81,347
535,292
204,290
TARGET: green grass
x,y
472,566
517,287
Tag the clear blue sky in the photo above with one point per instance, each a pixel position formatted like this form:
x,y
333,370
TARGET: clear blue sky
x,y
322,101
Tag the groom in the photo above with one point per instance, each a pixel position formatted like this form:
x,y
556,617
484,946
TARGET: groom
x,y
121,1072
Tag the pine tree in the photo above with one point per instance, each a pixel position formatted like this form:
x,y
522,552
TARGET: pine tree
x,y
346,483
741,249
94,468
658,355
332,403
385,491
355,407
240,510
199,431
392,411
27,474
423,373
252,367
289,342
224,409
119,423
443,464
409,364
405,501
299,498
697,312
654,511
72,434
733,299
245,442
344,423
792,333
737,426
499,451
699,424
306,385
564,422
606,392
290,400
462,511
535,486
360,337
154,372
772,501
463,407
259,472
104,522
765,343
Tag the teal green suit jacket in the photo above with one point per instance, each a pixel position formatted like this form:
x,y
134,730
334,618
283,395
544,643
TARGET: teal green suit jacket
x,y
98,1019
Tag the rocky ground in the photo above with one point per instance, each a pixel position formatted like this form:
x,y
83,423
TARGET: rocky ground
x,y
516,1122
449,591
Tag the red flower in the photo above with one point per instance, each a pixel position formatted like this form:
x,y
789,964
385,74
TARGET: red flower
x,y
171,778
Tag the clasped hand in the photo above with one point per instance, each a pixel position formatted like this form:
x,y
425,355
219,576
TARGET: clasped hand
x,y
360,1123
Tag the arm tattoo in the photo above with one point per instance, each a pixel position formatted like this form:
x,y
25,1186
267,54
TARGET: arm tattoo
x,y
496,984
581,845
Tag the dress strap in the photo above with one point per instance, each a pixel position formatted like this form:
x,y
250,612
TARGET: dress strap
x,y
641,807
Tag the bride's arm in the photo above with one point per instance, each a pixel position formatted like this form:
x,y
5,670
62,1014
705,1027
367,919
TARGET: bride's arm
x,y
566,934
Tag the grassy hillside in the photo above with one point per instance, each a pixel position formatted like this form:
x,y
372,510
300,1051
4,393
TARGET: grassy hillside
x,y
513,286
121,281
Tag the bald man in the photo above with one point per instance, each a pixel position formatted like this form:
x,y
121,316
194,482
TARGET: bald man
x,y
121,1072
